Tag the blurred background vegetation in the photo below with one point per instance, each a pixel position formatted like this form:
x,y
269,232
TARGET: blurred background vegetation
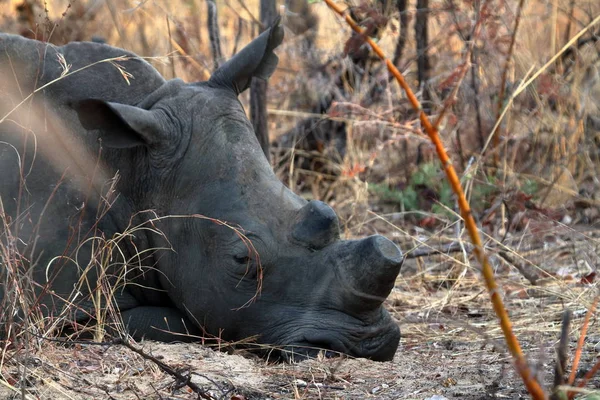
x,y
341,131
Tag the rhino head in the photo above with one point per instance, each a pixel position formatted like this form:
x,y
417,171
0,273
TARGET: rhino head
x,y
268,264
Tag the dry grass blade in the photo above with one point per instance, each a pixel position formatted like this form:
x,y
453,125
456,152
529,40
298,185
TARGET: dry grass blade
x,y
514,347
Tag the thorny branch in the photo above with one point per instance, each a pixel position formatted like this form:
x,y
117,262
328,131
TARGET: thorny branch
x,y
529,379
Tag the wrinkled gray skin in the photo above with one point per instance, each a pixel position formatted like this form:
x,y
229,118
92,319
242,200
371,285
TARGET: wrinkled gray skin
x,y
179,150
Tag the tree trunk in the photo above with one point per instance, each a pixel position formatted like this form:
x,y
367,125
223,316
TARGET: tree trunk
x,y
422,38
258,88
403,18
214,33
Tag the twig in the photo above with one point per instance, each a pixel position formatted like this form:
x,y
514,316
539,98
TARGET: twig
x,y
514,347
238,35
563,50
560,367
182,380
508,258
200,68
475,88
427,252
528,80
595,37
186,379
115,18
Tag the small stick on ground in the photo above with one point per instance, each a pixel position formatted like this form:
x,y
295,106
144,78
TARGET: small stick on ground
x,y
184,380
431,251
519,266
560,367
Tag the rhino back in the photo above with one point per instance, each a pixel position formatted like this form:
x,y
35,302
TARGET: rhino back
x,y
41,138
91,70
38,84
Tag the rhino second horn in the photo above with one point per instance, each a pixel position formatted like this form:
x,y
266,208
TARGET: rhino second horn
x,y
373,275
316,225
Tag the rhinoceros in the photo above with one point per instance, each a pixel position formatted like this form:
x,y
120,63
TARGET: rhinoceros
x,y
157,192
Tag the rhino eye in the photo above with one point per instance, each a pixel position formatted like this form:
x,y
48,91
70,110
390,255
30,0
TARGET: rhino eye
x,y
248,268
244,260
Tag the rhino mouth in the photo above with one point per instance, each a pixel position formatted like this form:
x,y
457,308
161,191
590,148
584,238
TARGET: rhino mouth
x,y
380,345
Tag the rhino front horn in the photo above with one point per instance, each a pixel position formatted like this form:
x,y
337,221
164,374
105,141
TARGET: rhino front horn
x,y
377,263
316,225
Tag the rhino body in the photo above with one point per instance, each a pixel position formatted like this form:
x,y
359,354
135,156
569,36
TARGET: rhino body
x,y
112,176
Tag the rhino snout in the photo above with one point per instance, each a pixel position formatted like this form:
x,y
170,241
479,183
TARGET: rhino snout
x,y
316,225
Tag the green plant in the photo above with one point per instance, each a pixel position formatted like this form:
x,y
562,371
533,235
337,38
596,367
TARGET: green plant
x,y
425,191
530,187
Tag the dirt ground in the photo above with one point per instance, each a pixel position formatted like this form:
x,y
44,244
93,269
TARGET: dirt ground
x,y
451,369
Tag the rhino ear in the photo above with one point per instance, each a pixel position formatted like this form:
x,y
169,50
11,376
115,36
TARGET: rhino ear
x,y
121,126
256,59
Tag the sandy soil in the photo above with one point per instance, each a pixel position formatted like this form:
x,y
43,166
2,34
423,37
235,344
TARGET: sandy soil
x,y
450,369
